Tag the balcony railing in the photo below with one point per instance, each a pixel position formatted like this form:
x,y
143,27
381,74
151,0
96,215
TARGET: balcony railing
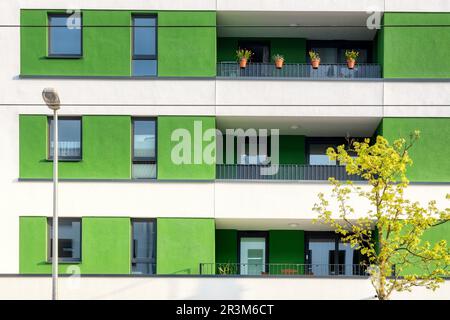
x,y
283,172
283,269
299,70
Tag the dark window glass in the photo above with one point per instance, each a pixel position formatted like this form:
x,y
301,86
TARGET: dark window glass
x,y
144,148
144,46
69,136
318,154
64,35
69,239
328,255
144,246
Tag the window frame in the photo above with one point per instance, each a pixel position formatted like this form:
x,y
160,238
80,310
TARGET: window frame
x,y
49,38
49,240
143,260
135,57
63,158
144,160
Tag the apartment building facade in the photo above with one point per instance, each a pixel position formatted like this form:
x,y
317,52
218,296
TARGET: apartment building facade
x,y
152,181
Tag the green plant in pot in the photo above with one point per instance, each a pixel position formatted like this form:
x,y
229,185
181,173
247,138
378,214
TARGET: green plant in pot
x,y
315,59
279,60
242,56
351,56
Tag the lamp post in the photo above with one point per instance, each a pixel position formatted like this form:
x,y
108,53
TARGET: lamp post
x,y
51,98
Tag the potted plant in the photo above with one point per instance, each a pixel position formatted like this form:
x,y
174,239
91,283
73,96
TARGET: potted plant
x,y
243,55
351,56
279,60
315,59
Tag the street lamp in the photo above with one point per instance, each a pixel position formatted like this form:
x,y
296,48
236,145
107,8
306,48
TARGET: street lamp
x,y
51,98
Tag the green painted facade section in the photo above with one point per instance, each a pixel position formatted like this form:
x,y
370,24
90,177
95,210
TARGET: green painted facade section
x,y
292,150
106,246
226,246
184,243
286,247
195,166
106,51
293,49
186,44
106,149
430,153
418,52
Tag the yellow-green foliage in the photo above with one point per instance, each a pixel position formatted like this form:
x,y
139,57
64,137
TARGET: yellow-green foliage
x,y
396,223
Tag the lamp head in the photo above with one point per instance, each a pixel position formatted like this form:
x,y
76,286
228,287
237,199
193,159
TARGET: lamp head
x,y
51,98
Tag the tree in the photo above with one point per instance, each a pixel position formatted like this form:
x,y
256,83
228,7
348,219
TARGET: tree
x,y
390,233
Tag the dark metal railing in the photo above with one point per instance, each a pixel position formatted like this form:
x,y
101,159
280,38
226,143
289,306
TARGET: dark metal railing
x,y
299,70
283,172
283,269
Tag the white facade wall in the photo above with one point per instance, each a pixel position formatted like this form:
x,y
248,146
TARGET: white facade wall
x,y
221,200
205,288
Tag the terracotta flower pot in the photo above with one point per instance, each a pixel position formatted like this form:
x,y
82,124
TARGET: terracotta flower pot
x,y
351,63
315,63
279,63
243,63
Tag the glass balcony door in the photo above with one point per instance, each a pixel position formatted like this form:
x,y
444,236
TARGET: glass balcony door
x,y
253,255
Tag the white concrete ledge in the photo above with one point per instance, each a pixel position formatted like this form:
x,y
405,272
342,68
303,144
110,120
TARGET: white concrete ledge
x,y
207,288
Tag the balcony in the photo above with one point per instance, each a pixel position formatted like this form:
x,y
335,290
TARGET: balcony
x,y
285,172
299,71
283,269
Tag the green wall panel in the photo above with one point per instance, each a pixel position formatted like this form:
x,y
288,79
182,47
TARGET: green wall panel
x,y
286,247
106,149
292,150
293,49
226,246
421,52
170,170
106,246
106,51
186,44
183,243
430,153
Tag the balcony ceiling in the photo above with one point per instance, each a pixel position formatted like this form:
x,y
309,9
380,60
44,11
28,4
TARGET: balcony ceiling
x,y
289,25
308,126
271,224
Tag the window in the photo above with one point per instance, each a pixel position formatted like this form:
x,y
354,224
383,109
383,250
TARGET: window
x,y
327,255
318,154
69,138
65,35
144,148
143,260
144,45
317,149
333,51
69,239
260,50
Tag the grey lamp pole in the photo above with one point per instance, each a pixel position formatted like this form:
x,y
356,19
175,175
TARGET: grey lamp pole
x,y
51,98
